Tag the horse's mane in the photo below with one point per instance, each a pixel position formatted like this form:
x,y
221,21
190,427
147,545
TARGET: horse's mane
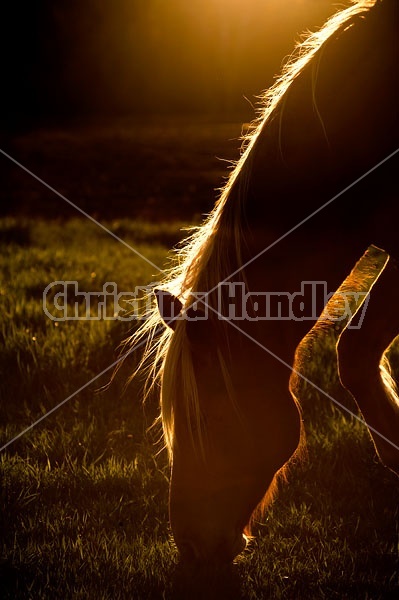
x,y
214,250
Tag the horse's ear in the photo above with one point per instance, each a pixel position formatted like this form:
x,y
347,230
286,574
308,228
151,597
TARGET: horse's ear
x,y
169,307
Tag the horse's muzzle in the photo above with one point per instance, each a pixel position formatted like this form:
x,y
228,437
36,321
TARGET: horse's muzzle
x,y
192,552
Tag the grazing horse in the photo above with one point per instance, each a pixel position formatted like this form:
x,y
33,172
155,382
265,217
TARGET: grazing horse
x,y
310,193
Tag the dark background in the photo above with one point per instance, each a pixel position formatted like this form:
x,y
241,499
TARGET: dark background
x,y
107,100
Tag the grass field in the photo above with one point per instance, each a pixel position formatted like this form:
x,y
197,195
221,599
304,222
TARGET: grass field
x,y
84,494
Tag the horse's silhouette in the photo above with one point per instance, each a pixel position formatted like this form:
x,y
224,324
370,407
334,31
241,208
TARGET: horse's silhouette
x,y
315,186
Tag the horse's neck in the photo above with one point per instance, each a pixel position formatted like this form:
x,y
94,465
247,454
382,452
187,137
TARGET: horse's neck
x,y
336,121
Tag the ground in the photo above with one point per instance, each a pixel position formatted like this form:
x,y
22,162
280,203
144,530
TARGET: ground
x,y
84,492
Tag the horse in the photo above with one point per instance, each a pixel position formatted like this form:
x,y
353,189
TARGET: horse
x,y
312,191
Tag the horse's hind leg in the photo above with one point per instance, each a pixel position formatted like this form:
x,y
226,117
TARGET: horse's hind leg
x,y
361,364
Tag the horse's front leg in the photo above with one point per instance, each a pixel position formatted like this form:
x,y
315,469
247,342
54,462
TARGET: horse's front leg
x,y
361,365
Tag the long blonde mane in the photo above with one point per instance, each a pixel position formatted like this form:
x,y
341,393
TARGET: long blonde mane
x,y
214,250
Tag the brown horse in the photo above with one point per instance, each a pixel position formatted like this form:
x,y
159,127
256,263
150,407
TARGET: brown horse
x,y
312,190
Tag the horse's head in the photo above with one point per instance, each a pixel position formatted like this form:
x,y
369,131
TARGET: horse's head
x,y
230,430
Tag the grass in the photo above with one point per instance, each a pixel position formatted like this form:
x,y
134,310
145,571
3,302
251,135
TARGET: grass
x,y
84,494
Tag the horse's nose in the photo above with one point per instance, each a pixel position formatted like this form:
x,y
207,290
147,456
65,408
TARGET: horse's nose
x,y
188,552
195,551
